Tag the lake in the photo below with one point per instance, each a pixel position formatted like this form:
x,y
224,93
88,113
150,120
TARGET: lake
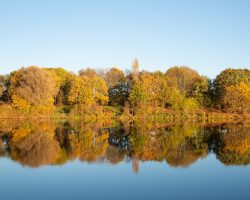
x,y
114,160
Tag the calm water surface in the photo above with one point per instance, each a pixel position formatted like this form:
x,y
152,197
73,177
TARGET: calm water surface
x,y
110,160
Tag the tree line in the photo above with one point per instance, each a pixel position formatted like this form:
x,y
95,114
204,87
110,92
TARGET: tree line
x,y
137,91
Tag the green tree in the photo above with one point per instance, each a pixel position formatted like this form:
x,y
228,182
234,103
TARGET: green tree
x,y
136,96
116,82
200,91
4,85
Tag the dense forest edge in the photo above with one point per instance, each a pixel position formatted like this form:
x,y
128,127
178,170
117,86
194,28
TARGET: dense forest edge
x,y
180,93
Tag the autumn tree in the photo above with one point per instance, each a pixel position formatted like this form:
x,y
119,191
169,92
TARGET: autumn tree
x,y
182,78
97,84
201,91
1,85
144,90
63,78
195,88
237,98
80,92
137,95
117,86
153,90
226,79
32,86
135,69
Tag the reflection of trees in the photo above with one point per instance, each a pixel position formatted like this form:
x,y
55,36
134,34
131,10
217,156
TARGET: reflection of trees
x,y
41,143
35,150
34,145
87,144
118,145
179,146
184,155
2,147
233,144
115,155
184,145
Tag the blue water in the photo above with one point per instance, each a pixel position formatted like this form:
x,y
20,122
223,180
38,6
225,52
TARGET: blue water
x,y
205,179
73,160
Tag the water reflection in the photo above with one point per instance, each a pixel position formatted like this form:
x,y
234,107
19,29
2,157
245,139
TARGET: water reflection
x,y
40,143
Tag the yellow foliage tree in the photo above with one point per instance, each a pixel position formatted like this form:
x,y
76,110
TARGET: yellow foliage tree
x,y
97,84
32,87
237,98
80,92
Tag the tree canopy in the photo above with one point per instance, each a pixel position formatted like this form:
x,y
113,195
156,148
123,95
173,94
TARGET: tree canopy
x,y
179,89
32,86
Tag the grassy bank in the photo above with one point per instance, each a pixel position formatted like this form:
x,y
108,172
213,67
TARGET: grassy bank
x,y
111,112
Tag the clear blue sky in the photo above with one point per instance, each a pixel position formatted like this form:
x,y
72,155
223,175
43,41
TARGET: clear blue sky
x,y
207,35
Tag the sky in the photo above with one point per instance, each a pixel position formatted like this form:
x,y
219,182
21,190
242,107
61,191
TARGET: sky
x,y
207,35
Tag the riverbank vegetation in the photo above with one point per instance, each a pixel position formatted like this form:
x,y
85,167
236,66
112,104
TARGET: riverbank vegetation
x,y
178,93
